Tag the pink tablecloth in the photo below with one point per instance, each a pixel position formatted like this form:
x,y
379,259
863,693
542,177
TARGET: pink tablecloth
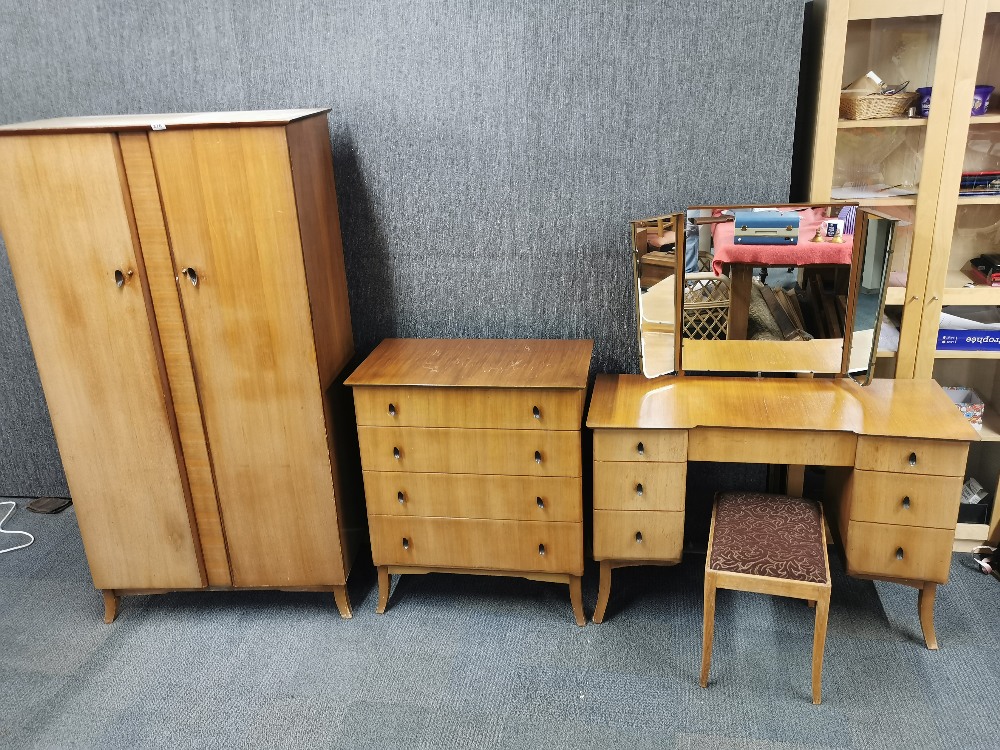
x,y
805,253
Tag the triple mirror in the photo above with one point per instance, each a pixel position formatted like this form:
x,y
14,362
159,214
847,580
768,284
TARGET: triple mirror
x,y
762,289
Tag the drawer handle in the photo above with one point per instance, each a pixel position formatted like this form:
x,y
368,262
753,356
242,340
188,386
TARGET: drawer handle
x,y
899,553
535,412
395,453
191,275
406,543
392,410
638,537
906,502
121,278
638,489
541,550
641,448
540,503
401,497
538,457
913,459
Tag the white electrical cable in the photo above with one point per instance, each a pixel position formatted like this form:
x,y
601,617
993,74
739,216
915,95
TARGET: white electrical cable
x,y
3,520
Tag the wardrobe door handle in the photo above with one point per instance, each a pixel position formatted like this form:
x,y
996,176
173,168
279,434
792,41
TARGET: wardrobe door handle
x,y
190,274
395,453
392,410
913,459
535,412
538,457
641,448
899,553
401,497
122,276
906,502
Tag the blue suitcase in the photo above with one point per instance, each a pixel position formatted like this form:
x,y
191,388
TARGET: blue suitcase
x,y
766,227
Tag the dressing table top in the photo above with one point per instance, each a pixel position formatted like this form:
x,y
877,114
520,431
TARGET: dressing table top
x,y
910,408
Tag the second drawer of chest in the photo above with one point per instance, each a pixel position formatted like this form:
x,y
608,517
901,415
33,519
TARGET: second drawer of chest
x,y
398,493
477,544
638,535
632,485
908,552
907,499
461,451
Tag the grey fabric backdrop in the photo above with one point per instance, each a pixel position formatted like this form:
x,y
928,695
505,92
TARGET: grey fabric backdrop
x,y
488,154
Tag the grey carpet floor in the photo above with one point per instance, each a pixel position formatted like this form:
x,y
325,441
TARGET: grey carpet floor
x,y
483,662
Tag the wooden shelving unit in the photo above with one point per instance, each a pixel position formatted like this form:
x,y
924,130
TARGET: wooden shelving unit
x,y
951,46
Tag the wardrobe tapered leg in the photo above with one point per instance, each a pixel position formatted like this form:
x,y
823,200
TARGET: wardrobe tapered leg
x,y
576,599
343,601
384,580
603,592
110,605
925,602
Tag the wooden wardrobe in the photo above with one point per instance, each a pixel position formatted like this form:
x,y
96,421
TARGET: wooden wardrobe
x,y
182,280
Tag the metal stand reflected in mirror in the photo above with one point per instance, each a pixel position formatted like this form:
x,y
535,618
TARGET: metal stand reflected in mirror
x,y
762,289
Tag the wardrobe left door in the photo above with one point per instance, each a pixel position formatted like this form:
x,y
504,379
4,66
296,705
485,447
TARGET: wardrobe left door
x,y
65,214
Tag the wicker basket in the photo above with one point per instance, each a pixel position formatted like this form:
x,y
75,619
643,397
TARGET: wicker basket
x,y
706,306
857,106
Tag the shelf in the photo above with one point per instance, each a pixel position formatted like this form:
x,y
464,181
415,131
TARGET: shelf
x,y
978,200
887,122
895,295
970,535
960,354
899,200
956,293
889,354
991,425
984,119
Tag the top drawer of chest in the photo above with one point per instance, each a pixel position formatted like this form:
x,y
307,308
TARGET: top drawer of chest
x,y
501,408
912,456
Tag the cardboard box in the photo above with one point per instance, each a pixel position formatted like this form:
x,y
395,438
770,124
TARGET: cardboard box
x,y
969,403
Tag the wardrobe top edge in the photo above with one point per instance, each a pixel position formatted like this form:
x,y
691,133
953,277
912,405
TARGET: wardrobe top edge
x,y
154,122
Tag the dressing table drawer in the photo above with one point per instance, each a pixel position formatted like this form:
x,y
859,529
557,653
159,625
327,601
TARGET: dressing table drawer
x,y
463,451
397,493
511,408
907,552
640,445
638,535
636,485
477,544
906,499
911,456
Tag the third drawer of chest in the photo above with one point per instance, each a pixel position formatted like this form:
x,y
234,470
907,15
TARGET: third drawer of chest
x,y
908,552
399,493
907,499
632,485
638,535
467,451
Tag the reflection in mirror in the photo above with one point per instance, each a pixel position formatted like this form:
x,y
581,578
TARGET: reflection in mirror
x,y
876,233
654,245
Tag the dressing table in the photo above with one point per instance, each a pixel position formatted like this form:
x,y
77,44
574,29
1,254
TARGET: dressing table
x,y
894,451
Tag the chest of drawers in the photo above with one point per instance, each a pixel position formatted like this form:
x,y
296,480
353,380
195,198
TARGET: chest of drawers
x,y
471,452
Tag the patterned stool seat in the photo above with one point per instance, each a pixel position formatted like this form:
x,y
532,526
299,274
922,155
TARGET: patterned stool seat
x,y
769,535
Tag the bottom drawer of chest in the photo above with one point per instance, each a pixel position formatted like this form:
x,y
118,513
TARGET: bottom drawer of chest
x,y
536,546
910,552
638,535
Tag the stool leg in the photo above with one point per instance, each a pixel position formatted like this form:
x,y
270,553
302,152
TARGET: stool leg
x,y
603,592
709,627
819,641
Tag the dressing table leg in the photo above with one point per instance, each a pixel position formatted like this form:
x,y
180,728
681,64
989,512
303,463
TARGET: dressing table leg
x,y
110,606
343,601
576,599
709,628
384,579
603,592
925,602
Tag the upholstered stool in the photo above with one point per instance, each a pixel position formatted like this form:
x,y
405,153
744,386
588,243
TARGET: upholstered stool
x,y
768,544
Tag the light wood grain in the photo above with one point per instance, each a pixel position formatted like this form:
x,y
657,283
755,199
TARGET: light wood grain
x,y
872,549
477,543
483,363
125,123
67,228
464,451
907,499
509,408
474,496
231,214
163,289
638,535
742,445
815,356
640,445
639,486
910,456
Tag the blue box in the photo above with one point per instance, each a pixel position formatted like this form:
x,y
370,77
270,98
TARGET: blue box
x,y
766,227
969,341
